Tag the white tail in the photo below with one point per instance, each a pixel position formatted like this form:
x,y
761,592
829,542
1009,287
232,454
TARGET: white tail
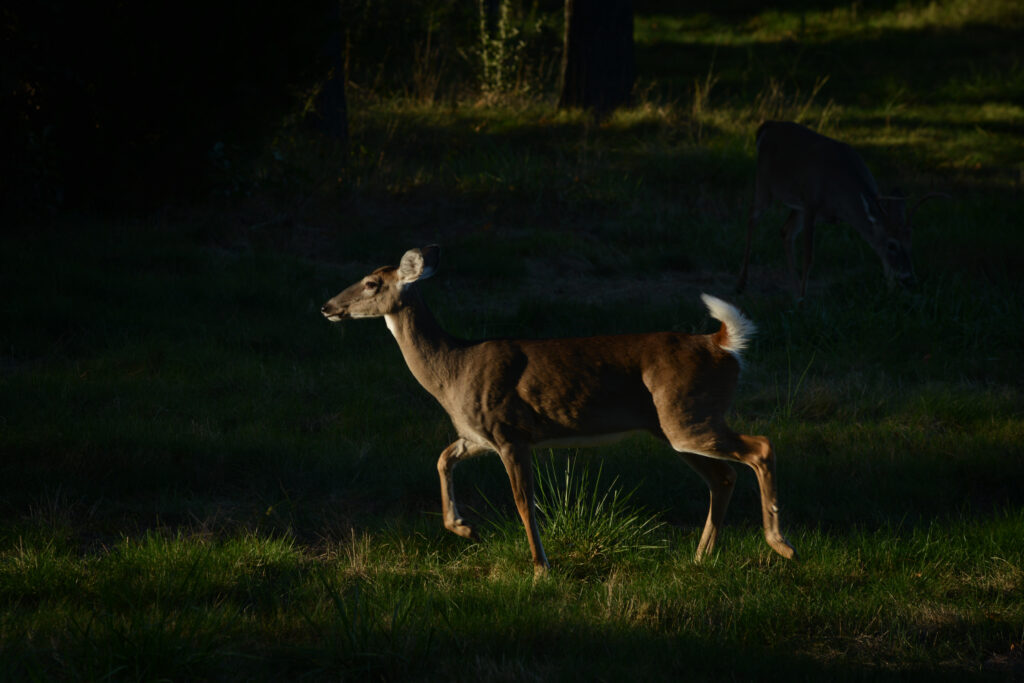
x,y
507,396
824,180
739,329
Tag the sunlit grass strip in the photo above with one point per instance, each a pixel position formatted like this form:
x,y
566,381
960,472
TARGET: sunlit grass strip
x,y
941,595
822,26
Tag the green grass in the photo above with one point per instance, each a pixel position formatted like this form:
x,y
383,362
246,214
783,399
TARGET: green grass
x,y
200,479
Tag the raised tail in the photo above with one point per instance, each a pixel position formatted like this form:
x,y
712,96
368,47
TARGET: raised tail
x,y
736,329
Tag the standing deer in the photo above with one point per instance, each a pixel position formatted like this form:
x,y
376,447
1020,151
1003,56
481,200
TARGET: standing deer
x,y
510,395
825,180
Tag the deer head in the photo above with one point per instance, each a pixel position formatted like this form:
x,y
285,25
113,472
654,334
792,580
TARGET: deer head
x,y
382,291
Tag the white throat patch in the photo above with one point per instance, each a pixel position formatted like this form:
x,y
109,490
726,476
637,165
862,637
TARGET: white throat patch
x,y
392,324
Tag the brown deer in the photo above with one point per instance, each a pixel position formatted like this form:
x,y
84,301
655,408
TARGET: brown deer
x,y
824,180
510,395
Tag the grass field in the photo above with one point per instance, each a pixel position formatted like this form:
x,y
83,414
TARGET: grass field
x,y
201,479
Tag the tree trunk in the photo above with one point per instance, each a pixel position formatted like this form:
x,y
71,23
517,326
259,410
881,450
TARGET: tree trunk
x,y
598,67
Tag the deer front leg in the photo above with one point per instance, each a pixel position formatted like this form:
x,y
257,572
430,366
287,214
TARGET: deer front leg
x,y
516,459
721,480
460,450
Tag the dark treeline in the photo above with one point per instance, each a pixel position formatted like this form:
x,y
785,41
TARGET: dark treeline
x,y
107,104
110,102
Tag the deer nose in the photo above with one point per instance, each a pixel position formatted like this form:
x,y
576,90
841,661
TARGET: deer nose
x,y
332,311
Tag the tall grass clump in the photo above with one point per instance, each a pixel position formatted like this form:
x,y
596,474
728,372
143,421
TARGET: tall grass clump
x,y
587,525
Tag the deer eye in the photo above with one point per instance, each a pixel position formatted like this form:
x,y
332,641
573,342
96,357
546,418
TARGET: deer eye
x,y
372,285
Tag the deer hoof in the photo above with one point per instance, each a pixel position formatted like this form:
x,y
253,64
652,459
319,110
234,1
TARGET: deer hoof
x,y
782,547
462,529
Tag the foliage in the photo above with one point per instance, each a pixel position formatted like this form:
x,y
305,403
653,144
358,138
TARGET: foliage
x,y
500,48
126,102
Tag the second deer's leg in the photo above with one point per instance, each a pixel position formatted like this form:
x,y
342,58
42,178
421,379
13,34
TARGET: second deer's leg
x,y
790,229
516,459
460,450
741,282
721,479
808,220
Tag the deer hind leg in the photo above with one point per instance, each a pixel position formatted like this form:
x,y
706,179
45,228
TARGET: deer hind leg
x,y
757,452
460,450
516,459
721,480
723,444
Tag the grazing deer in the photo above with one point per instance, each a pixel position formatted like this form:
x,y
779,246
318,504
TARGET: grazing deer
x,y
509,395
825,180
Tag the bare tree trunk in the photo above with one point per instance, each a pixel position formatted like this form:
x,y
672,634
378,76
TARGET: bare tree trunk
x,y
598,66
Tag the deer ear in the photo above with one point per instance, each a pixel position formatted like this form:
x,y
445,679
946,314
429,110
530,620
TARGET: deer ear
x,y
418,264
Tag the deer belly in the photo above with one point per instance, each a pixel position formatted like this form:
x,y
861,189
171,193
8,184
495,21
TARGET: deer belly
x,y
585,440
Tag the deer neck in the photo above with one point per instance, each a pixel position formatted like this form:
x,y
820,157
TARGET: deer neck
x,y
429,351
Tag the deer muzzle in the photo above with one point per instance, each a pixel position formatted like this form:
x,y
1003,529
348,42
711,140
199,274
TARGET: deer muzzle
x,y
334,312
